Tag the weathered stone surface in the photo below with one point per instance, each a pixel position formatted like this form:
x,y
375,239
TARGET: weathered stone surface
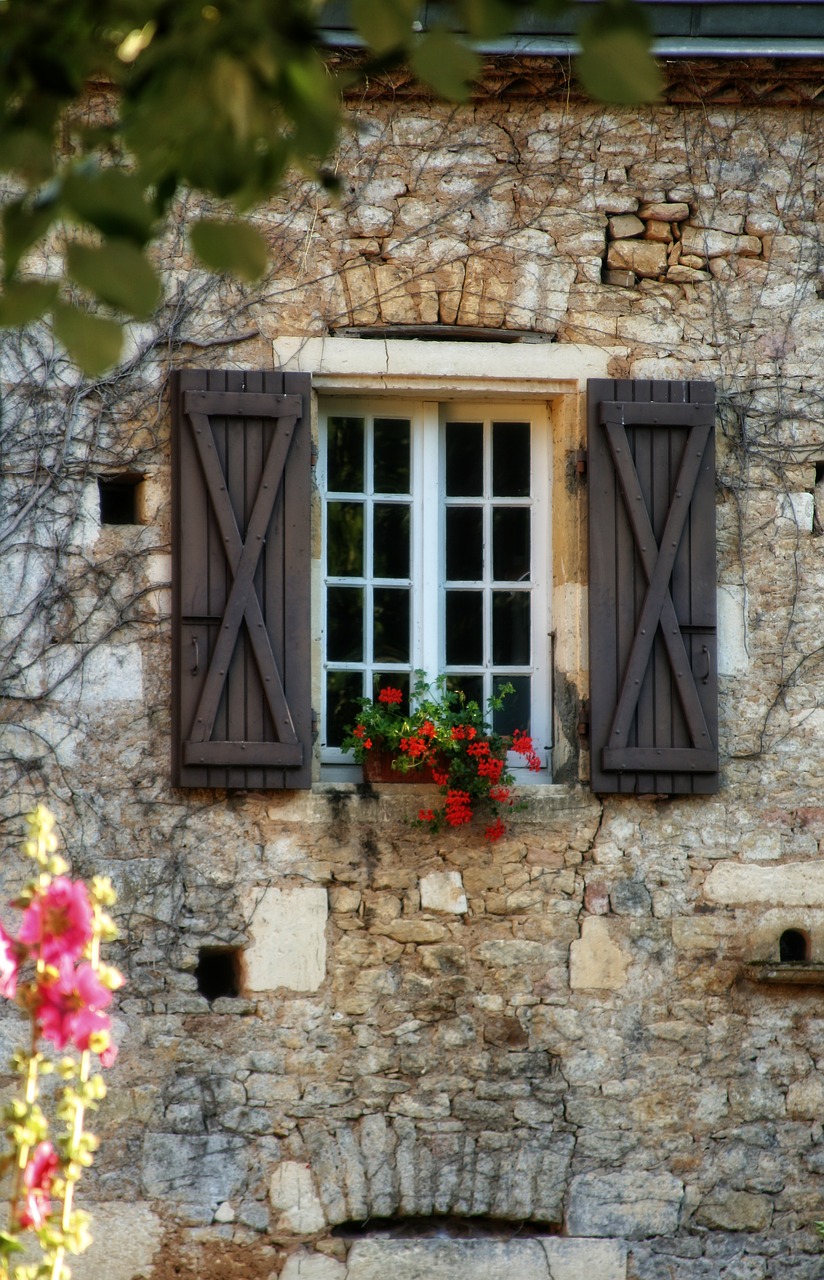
x,y
595,961
447,1260
443,891
625,225
585,1259
793,884
288,942
708,243
126,1240
663,212
632,1205
737,1211
644,257
313,1266
292,1193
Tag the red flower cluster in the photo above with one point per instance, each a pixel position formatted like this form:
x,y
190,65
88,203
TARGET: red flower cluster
x,y
389,696
67,995
359,732
458,808
495,831
417,745
522,743
464,732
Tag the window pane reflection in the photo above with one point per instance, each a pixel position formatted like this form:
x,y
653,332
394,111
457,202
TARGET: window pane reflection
x,y
510,628
464,544
464,459
515,712
510,459
391,625
464,628
344,455
391,466
390,555
344,624
344,539
510,544
342,688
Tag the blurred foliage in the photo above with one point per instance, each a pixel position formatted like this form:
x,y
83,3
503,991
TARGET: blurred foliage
x,y
217,98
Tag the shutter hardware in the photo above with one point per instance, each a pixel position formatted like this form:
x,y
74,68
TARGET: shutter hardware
x,y
580,460
583,719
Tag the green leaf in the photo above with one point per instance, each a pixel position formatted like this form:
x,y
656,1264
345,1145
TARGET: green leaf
x,y
443,61
385,26
117,273
92,342
28,152
25,301
112,201
23,226
10,1244
616,64
230,246
486,18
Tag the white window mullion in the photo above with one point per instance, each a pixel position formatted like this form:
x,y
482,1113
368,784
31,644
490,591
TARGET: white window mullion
x,y
429,591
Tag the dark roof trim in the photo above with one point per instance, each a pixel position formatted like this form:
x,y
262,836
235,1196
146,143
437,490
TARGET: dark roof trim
x,y
721,29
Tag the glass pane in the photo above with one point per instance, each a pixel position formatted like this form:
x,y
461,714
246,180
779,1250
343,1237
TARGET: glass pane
x,y
510,628
390,641
464,459
464,544
344,455
344,624
510,460
342,688
472,688
392,472
464,628
390,555
392,680
344,539
510,544
514,714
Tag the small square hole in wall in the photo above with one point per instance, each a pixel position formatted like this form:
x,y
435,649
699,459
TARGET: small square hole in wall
x,y
120,499
218,972
794,947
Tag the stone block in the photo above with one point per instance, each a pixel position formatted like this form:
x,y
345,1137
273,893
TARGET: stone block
x,y
664,212
447,1260
292,1192
624,280
595,961
571,1259
793,884
623,226
443,891
688,275
733,649
695,933
126,1239
661,232
632,1204
644,257
708,243
313,1266
510,953
738,1211
287,939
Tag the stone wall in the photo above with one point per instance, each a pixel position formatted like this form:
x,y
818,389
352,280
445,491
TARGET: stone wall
x,y
555,1050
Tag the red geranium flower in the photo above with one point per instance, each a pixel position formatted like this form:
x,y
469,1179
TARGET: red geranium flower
x,y
390,695
495,831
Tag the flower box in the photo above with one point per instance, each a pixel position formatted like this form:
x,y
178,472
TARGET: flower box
x,y
377,767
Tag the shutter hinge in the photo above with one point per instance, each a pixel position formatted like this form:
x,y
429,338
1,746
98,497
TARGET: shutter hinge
x,y
580,460
583,719
315,725
313,454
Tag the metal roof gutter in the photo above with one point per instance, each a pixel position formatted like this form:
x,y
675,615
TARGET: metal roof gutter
x,y
665,47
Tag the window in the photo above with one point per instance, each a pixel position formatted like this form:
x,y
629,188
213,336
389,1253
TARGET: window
x,y
436,555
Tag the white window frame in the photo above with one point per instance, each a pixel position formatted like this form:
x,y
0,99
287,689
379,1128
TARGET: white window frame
x,y
554,373
427,570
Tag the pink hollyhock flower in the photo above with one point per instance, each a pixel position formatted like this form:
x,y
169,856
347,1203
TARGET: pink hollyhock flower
x,y
59,923
70,1009
37,1180
9,964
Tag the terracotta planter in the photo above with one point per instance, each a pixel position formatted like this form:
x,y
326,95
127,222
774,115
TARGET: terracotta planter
x,y
377,767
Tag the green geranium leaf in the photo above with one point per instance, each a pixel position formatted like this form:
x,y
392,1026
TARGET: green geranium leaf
x,y
25,301
443,61
93,343
117,273
235,247
10,1244
616,64
112,201
384,26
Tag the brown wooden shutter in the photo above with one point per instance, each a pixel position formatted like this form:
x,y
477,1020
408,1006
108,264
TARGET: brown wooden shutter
x,y
653,670
241,579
